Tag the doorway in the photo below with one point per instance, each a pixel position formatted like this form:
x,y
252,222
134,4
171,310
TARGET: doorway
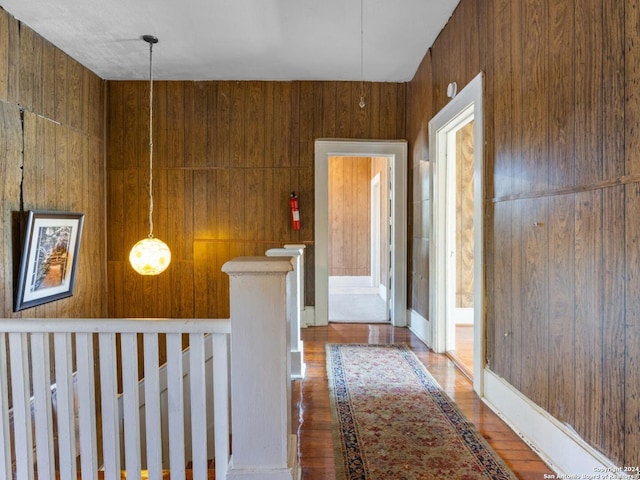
x,y
359,230
459,222
456,279
396,154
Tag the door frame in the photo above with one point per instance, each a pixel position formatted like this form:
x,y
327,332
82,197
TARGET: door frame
x,y
374,213
396,151
447,120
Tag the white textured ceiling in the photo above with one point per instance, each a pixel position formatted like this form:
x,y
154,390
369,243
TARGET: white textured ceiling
x,y
240,39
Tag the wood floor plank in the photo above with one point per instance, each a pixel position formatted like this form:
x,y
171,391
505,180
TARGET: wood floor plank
x,y
311,398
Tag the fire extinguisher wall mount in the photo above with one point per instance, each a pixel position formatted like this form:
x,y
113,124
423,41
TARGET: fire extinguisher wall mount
x,y
295,211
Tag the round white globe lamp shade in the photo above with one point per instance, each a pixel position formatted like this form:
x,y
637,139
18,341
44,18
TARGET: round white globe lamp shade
x,y
150,256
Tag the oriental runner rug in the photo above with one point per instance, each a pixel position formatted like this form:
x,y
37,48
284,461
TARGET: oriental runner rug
x,y
392,421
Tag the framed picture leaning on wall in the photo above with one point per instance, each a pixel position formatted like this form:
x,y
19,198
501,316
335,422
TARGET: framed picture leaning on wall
x,y
49,257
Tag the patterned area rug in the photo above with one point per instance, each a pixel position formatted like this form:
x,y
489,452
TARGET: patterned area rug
x,y
391,420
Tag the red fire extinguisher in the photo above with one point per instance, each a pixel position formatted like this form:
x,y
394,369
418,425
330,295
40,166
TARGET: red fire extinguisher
x,y
295,211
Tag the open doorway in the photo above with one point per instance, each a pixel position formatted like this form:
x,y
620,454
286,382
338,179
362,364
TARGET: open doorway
x,y
456,279
396,154
359,230
459,240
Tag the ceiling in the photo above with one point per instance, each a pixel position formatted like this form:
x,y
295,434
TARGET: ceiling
x,y
241,39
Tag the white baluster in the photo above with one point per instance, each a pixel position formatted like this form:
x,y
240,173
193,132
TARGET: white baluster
x,y
198,406
131,404
176,406
23,435
41,372
152,406
221,403
86,406
5,446
110,422
65,411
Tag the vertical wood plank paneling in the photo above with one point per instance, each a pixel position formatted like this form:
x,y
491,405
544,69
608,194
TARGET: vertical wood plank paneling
x,y
10,130
561,80
517,123
13,47
75,94
588,309
254,121
240,193
236,124
613,323
632,87
517,293
175,125
61,82
5,21
36,77
632,326
49,80
561,98
196,119
588,91
535,293
561,307
26,63
502,178
613,89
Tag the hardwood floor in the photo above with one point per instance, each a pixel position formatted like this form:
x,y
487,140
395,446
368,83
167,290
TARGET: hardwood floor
x,y
311,401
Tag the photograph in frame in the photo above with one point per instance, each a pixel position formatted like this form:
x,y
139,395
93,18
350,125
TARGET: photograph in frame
x,y
49,257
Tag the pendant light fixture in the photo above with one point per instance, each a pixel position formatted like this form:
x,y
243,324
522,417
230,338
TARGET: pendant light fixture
x,y
362,103
150,256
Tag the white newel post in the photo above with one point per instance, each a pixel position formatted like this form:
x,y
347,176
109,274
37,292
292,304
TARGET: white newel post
x,y
262,444
300,247
293,307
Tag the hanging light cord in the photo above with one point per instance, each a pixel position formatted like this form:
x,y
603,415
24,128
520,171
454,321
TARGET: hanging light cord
x,y
151,42
362,103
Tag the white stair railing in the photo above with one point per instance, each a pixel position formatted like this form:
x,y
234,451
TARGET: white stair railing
x,y
67,428
67,414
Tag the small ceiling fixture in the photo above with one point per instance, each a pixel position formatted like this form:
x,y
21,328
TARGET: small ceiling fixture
x,y
362,103
150,256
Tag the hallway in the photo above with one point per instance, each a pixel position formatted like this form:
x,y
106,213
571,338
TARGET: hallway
x,y
311,400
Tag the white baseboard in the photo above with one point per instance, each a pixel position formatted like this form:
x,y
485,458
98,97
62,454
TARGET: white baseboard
x,y
309,317
420,327
382,291
464,316
557,445
349,281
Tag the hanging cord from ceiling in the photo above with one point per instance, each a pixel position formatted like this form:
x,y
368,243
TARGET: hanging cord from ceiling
x,y
362,103
150,39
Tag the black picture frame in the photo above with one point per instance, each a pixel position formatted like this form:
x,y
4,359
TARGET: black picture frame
x,y
49,258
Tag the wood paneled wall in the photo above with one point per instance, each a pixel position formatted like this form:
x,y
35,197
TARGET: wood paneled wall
x,y
226,157
64,160
349,216
464,216
562,200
